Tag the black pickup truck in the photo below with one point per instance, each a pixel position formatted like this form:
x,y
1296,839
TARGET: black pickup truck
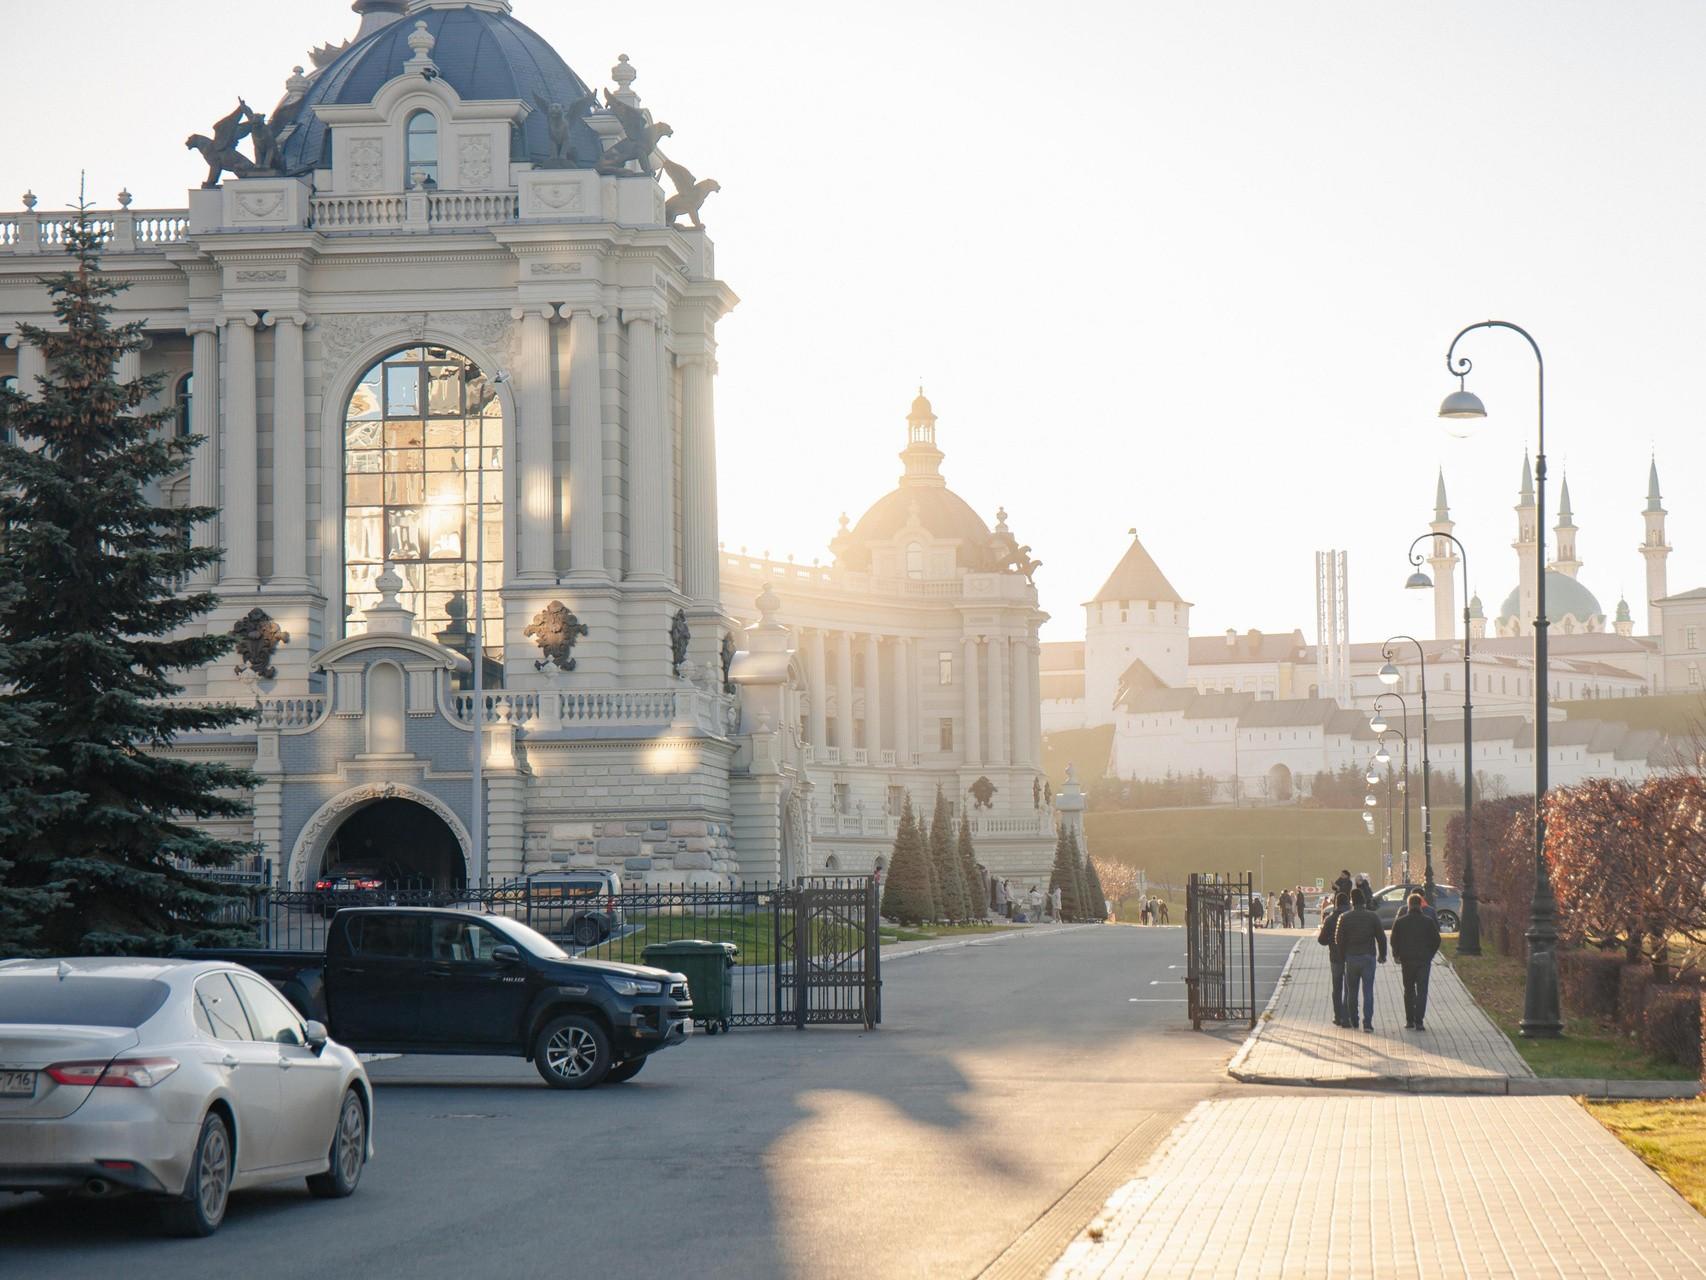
x,y
434,980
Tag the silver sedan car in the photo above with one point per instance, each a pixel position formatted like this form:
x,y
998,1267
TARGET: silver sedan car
x,y
182,1079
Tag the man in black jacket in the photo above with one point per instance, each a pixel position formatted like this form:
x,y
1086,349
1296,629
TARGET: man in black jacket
x,y
1336,958
1415,939
1358,934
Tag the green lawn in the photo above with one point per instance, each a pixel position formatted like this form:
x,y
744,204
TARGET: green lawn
x,y
1588,1048
1284,845
1669,1136
1682,715
754,934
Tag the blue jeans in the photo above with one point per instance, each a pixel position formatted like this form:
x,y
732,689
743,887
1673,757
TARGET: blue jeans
x,y
1337,969
1359,971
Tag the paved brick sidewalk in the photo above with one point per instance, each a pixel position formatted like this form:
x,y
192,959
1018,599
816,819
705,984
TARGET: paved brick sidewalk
x,y
1343,1187
1297,1043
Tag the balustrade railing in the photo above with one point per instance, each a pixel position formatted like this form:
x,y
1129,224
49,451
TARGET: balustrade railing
x,y
270,713
649,709
125,229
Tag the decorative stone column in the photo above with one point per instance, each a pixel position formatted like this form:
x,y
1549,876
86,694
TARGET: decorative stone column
x,y
647,450
699,478
128,367
873,697
240,500
204,422
586,446
844,695
1022,713
972,750
903,747
534,558
289,453
32,366
1000,731
610,411
817,728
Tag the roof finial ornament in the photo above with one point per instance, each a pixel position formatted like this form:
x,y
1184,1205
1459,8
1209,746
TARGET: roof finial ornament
x,y
624,73
421,41
1001,519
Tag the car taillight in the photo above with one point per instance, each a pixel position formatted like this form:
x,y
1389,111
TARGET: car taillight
x,y
120,1073
369,884
322,884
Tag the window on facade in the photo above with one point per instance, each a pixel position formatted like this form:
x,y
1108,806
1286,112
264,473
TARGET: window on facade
x,y
1694,674
422,148
897,800
915,560
1446,682
843,797
423,445
945,667
946,735
1691,638
185,397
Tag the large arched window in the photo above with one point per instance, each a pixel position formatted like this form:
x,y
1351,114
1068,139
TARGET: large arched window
x,y
423,447
186,394
422,150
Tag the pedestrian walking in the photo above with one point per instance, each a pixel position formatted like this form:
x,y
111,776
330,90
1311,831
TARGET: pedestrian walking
x,y
1285,907
1344,884
1034,905
1359,934
1256,910
1336,958
1415,940
1054,904
1161,905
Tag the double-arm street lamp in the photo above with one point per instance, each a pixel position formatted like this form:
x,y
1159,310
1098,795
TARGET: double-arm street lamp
x,y
1390,675
1541,1016
1469,926
1378,724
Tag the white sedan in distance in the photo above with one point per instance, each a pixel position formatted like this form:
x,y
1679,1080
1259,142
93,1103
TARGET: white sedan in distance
x,y
181,1079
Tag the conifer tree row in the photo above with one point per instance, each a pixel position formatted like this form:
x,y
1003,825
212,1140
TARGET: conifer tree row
x,y
95,631
975,882
906,892
952,902
1064,875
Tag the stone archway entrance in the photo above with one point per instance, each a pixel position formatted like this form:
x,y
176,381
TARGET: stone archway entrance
x,y
398,830
405,844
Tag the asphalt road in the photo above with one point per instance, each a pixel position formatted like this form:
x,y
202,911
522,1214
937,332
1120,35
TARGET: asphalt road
x,y
1003,1074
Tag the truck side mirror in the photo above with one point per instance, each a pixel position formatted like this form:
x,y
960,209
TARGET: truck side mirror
x,y
506,954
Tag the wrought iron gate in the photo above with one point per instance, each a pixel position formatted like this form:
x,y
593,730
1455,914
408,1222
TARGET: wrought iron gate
x,y
828,959
1220,952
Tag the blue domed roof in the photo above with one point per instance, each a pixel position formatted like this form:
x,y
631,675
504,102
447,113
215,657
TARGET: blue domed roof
x,y
481,53
1564,596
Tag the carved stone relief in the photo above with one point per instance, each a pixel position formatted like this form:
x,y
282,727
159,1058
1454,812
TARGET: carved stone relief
x,y
342,335
474,160
366,163
564,197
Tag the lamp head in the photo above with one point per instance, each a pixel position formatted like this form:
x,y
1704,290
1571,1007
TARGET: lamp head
x,y
1378,723
1462,404
1371,777
1418,581
1370,801
1383,755
1388,674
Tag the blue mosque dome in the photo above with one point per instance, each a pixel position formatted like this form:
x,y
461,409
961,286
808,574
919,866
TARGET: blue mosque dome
x,y
481,51
1564,596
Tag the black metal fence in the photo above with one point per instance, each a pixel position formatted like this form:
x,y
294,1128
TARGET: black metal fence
x,y
805,952
1220,950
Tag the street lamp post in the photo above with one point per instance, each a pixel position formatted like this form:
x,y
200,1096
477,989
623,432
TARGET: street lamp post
x,y
1469,925
1389,675
1379,725
1541,1015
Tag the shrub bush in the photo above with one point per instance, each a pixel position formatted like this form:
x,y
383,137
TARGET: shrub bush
x,y
1589,982
1670,1025
1494,932
1632,984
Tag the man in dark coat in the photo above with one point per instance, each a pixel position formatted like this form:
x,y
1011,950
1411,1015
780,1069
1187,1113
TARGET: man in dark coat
x,y
1336,959
1343,884
1415,939
1358,934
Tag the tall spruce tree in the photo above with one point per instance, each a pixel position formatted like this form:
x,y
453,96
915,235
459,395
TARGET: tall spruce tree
x,y
1098,896
1064,876
977,888
96,630
906,894
1089,908
952,903
27,800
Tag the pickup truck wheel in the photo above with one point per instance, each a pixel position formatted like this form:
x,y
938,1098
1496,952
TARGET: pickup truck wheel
x,y
586,931
348,1153
572,1052
624,1071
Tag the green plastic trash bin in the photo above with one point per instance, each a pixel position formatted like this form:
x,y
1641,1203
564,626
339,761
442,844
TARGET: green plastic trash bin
x,y
710,971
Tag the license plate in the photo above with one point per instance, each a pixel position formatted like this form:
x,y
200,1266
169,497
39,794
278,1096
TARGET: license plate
x,y
17,1084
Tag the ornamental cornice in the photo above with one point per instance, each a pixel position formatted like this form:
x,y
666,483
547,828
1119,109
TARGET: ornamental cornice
x,y
248,318
546,311
343,333
297,318
406,257
193,327
568,310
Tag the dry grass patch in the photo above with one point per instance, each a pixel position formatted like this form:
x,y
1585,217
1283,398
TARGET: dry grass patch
x,y
1669,1136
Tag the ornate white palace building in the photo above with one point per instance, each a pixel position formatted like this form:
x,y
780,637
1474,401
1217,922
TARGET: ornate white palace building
x,y
452,350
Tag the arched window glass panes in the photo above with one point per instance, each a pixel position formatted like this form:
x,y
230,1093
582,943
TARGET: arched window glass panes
x,y
422,149
423,445
186,392
914,560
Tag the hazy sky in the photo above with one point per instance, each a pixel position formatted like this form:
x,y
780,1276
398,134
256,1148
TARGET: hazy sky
x,y
1190,267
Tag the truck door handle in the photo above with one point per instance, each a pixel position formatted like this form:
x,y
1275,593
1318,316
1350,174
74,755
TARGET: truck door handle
x,y
353,969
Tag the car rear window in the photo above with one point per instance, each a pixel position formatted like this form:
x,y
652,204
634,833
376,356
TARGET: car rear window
x,y
79,1001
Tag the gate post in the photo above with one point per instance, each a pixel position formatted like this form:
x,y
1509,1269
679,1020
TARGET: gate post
x,y
873,957
802,952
